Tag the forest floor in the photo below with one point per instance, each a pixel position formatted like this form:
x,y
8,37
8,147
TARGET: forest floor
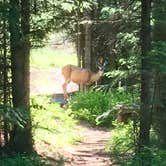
x,y
90,151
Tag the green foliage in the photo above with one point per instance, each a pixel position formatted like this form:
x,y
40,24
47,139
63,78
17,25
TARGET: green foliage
x,y
148,156
123,139
127,40
106,118
23,160
14,116
108,12
158,56
124,136
54,16
96,107
128,61
121,96
51,124
89,105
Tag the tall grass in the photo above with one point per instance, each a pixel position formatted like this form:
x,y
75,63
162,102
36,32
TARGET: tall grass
x,y
47,57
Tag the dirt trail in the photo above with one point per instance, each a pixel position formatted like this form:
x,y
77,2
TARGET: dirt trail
x,y
48,81
90,151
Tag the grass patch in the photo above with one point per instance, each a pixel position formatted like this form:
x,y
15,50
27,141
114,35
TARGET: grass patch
x,y
48,57
52,124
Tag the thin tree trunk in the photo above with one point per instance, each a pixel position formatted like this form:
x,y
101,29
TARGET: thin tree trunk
x,y
80,44
87,45
146,75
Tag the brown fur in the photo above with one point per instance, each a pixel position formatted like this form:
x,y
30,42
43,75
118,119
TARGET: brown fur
x,y
79,76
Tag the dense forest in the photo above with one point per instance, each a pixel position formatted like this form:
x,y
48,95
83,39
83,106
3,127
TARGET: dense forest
x,y
130,98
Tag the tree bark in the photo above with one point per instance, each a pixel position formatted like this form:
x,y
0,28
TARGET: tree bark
x,y
159,35
21,138
146,75
80,44
87,45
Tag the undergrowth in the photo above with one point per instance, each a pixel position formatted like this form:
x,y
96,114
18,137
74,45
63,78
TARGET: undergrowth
x,y
89,105
52,128
24,160
51,124
122,138
97,107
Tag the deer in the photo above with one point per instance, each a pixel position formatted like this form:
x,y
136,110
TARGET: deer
x,y
81,76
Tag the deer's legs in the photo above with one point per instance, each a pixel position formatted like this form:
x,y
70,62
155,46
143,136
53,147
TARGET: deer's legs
x,y
64,86
81,87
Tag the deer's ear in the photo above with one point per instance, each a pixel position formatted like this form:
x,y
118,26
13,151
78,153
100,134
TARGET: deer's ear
x,y
100,60
99,67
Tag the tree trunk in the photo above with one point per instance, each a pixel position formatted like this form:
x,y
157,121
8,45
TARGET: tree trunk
x,y
80,44
146,75
87,45
21,138
159,35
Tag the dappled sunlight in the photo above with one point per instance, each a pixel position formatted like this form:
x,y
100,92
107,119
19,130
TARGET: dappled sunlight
x,y
48,81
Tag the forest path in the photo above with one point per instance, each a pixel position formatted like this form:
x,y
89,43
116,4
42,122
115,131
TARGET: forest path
x,y
48,81
91,150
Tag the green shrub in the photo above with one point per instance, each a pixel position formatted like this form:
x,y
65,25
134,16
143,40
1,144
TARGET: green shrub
x,y
122,146
14,116
123,96
123,138
89,105
23,160
95,107
148,156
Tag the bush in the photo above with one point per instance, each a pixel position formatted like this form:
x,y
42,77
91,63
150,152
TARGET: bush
x,y
148,156
23,160
123,138
89,105
123,96
96,107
